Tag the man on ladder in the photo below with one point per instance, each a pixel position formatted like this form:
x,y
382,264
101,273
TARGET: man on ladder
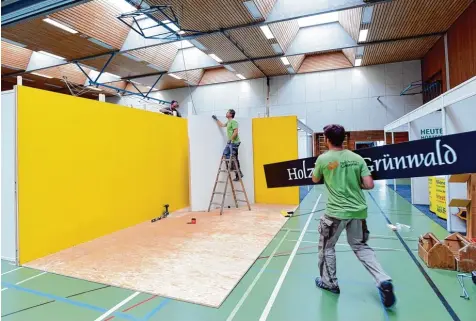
x,y
233,144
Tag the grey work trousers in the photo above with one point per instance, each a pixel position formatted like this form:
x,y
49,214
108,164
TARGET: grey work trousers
x,y
330,229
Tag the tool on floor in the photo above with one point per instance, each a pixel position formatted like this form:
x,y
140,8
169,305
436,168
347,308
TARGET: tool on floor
x,y
460,278
287,213
165,213
231,165
192,221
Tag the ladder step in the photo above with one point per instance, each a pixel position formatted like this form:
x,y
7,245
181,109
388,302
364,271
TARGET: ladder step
x,y
242,201
219,204
239,191
219,193
221,181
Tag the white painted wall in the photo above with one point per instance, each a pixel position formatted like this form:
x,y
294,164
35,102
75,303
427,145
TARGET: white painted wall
x,y
8,168
419,185
460,117
206,144
346,96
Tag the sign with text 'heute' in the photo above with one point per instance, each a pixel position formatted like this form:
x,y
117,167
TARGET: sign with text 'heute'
x,y
445,155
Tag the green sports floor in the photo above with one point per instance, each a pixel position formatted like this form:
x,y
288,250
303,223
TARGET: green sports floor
x,y
279,286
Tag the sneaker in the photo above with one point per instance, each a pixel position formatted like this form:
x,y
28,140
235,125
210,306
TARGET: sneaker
x,y
321,285
386,294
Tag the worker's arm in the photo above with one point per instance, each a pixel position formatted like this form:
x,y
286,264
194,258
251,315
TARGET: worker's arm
x,y
316,173
367,180
218,121
165,111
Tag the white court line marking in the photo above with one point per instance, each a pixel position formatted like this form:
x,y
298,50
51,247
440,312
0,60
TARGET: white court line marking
x,y
117,306
21,267
248,290
273,296
30,278
343,244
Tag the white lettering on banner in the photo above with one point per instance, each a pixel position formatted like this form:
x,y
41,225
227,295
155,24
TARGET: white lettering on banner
x,y
300,173
443,155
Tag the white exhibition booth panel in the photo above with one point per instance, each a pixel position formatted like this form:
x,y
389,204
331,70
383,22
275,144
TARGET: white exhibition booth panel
x,y
8,168
206,144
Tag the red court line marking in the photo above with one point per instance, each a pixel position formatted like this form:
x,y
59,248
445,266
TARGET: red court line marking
x,y
133,306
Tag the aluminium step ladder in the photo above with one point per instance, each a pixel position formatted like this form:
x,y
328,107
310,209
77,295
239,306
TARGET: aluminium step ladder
x,y
228,179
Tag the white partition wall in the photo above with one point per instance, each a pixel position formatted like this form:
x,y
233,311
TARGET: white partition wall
x,y
207,142
425,127
8,161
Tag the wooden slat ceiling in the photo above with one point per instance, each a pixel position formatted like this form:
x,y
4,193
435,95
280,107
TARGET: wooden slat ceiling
x,y
253,42
350,54
398,50
296,61
161,56
207,15
168,82
247,69
405,18
265,6
15,56
217,75
97,19
284,32
272,66
350,21
191,76
326,61
39,35
121,66
221,46
70,71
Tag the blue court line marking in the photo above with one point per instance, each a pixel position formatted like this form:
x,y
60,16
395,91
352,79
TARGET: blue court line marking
x,y
69,301
156,309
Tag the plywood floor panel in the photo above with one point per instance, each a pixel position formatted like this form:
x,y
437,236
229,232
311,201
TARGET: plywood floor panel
x,y
198,263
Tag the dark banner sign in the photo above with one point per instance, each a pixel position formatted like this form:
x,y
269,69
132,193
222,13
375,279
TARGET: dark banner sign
x,y
445,155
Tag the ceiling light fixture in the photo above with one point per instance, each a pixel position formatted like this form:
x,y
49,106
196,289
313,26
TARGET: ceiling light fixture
x,y
175,76
215,57
41,75
358,62
229,68
240,76
253,9
267,32
94,88
59,25
51,55
363,35
285,61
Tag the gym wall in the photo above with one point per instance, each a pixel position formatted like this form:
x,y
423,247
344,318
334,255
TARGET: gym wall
x,y
275,139
87,168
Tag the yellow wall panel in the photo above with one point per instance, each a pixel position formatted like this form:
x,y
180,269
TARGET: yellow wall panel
x,y
275,139
87,168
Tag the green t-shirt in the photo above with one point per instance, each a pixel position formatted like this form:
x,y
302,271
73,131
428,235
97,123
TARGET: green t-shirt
x,y
231,125
342,171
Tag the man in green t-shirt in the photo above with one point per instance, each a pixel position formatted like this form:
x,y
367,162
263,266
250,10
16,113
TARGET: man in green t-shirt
x,y
233,138
345,175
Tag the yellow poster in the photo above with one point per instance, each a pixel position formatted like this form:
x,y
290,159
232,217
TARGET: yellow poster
x,y
432,193
440,196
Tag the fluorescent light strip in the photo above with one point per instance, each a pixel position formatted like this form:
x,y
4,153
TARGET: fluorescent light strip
x,y
41,75
253,9
59,25
358,62
285,61
215,57
175,76
51,55
363,35
240,76
267,32
94,88
229,68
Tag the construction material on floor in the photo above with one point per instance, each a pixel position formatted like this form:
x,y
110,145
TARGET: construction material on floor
x,y
188,262
453,253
